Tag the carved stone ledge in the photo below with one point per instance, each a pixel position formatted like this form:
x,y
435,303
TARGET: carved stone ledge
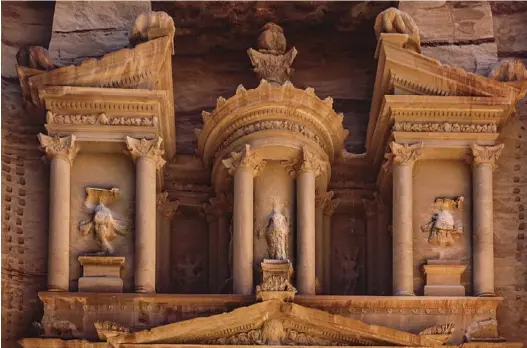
x,y
486,154
147,148
59,147
246,159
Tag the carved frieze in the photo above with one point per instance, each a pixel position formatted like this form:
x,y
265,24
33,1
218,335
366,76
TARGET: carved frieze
x,y
486,154
247,159
59,146
101,119
445,127
442,230
147,148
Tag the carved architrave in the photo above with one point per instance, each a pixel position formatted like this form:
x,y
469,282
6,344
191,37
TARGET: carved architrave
x,y
486,154
167,208
147,148
404,154
59,146
246,159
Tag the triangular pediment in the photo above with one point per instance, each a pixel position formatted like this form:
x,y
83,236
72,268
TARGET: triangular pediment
x,y
274,323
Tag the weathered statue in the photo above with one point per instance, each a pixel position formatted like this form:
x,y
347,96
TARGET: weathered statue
x,y
276,233
102,224
442,229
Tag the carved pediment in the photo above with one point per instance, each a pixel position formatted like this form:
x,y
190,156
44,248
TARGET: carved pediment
x,y
275,323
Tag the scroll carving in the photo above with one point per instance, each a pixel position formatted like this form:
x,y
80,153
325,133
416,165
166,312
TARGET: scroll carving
x,y
147,148
393,20
101,119
244,159
404,154
102,224
270,61
444,127
442,229
165,207
486,154
56,146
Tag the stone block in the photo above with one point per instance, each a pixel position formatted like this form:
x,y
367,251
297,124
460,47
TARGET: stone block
x,y
443,278
100,284
101,274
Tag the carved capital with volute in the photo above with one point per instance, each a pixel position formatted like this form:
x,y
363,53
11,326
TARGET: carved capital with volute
x,y
404,154
166,207
151,149
486,154
323,199
245,159
55,146
330,207
308,162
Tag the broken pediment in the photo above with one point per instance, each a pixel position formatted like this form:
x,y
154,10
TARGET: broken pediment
x,y
275,322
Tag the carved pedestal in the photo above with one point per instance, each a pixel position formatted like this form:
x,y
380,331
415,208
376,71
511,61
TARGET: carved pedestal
x,y
101,274
443,278
276,281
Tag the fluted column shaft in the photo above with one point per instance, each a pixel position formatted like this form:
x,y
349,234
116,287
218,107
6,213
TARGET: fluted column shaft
x,y
403,157
147,156
61,152
483,236
244,166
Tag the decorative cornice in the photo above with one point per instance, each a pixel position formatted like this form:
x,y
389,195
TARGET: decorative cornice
x,y
330,207
165,207
486,154
404,154
59,147
444,127
245,159
74,103
147,148
323,199
101,119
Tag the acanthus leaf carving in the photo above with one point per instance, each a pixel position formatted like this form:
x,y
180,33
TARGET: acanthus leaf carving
x,y
166,207
323,199
330,207
246,159
147,148
486,154
405,154
59,146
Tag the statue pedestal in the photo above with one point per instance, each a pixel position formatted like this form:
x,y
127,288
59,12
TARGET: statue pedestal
x,y
276,281
443,278
101,274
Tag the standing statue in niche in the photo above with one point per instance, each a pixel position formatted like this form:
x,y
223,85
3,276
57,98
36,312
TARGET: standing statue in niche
x,y
442,229
102,224
276,232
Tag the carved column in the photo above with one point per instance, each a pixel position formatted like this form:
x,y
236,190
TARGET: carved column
x,y
61,152
321,200
166,211
372,252
403,159
329,210
147,155
309,168
483,253
244,166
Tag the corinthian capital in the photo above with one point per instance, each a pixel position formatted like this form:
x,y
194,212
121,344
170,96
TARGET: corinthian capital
x,y
165,207
55,146
147,148
486,154
309,161
404,154
323,199
244,159
330,207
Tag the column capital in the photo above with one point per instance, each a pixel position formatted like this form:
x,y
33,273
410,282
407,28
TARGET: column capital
x,y
165,207
404,154
217,206
330,207
55,146
308,162
486,154
323,199
247,159
147,148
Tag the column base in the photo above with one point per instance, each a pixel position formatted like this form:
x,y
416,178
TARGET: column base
x,y
58,290
144,291
404,293
101,273
486,294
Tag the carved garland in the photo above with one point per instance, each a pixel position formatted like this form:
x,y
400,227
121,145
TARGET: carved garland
x,y
101,119
444,127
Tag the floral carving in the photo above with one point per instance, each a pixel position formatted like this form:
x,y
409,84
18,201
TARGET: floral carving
x,y
101,119
393,20
442,229
102,224
244,159
56,146
444,127
270,62
146,148
486,154
404,154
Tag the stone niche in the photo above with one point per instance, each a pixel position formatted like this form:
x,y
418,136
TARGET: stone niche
x,y
434,180
103,171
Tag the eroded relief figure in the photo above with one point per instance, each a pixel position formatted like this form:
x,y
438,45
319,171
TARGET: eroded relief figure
x,y
102,224
276,233
442,229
